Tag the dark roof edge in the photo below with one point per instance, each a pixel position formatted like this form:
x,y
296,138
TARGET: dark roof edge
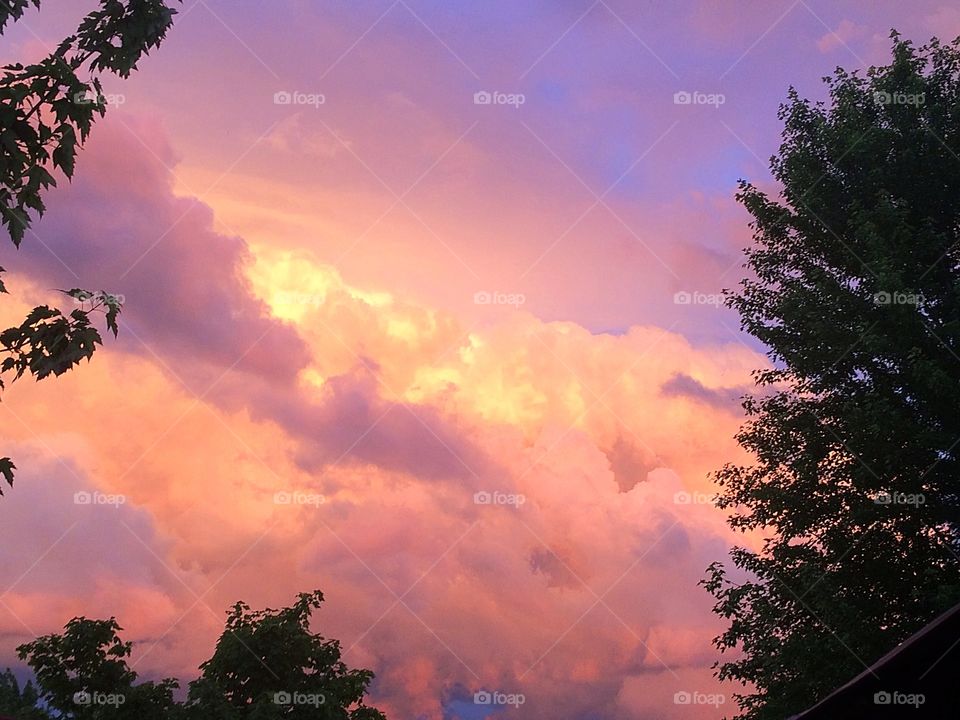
x,y
910,641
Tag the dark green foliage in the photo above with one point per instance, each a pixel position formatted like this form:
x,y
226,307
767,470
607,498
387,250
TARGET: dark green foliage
x,y
46,113
267,664
19,702
14,9
48,343
47,110
83,675
120,32
855,290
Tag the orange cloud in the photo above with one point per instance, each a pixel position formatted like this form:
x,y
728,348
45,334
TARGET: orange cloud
x,y
492,502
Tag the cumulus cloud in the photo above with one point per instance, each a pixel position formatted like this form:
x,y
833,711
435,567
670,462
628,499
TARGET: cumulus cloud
x,y
119,227
682,385
61,533
488,506
492,498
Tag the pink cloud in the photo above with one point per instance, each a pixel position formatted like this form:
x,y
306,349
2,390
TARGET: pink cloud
x,y
398,444
118,227
847,31
293,327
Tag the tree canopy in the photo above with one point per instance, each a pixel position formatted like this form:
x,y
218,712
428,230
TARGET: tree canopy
x,y
853,285
267,664
47,110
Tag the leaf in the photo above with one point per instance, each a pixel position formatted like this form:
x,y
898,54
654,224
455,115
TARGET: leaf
x,y
42,127
78,294
17,222
64,154
114,306
6,469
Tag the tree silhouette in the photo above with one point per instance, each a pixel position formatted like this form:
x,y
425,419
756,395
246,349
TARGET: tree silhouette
x,y
855,289
46,113
19,701
267,664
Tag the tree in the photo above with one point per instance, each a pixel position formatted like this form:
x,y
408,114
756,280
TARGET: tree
x,y
82,674
854,287
46,113
267,664
21,702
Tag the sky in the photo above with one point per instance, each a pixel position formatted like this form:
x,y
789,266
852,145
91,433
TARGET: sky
x,y
421,310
